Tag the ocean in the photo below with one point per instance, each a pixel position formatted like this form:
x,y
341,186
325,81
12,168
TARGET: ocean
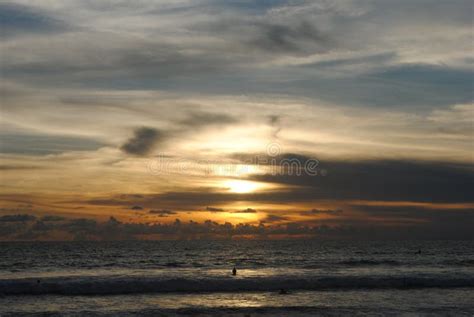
x,y
194,278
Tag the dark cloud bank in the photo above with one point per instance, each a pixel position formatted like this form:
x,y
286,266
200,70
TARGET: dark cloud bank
x,y
430,184
28,227
376,180
389,180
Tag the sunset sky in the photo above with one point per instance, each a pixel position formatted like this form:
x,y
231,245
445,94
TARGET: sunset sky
x,y
236,119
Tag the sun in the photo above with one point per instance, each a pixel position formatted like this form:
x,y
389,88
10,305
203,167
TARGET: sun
x,y
241,187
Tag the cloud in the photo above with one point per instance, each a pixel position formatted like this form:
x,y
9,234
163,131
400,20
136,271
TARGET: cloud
x,y
246,211
298,37
446,222
454,121
443,226
162,212
274,119
354,80
52,218
275,122
313,212
16,19
379,180
214,209
274,218
144,141
136,207
383,180
287,162
17,218
40,144
197,119
414,211
264,48
19,167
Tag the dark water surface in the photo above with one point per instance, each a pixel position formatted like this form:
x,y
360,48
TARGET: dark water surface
x,y
193,278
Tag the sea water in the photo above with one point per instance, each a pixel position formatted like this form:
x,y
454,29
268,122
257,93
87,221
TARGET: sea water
x,y
194,278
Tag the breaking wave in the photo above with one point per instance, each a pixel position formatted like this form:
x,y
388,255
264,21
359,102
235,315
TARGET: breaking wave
x,y
370,262
127,285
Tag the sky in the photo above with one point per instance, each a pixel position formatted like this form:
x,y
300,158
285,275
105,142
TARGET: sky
x,y
236,119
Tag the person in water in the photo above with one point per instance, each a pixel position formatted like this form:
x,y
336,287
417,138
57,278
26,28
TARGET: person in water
x,y
234,271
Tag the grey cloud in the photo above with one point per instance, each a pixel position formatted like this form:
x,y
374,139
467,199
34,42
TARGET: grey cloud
x,y
274,119
217,66
441,222
53,218
162,212
131,196
19,209
16,19
431,182
87,229
371,60
136,207
144,141
188,200
214,209
134,64
17,218
246,211
415,212
82,223
403,85
199,119
422,11
382,180
281,159
40,144
18,167
321,211
293,38
274,218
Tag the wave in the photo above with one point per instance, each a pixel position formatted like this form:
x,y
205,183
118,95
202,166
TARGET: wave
x,y
367,262
355,263
370,262
174,264
463,262
262,311
128,285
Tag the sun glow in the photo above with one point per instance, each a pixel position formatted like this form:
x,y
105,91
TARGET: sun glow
x,y
241,187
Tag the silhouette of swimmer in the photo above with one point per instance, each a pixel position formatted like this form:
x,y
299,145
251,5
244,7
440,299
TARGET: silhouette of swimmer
x,y
38,281
234,271
419,251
